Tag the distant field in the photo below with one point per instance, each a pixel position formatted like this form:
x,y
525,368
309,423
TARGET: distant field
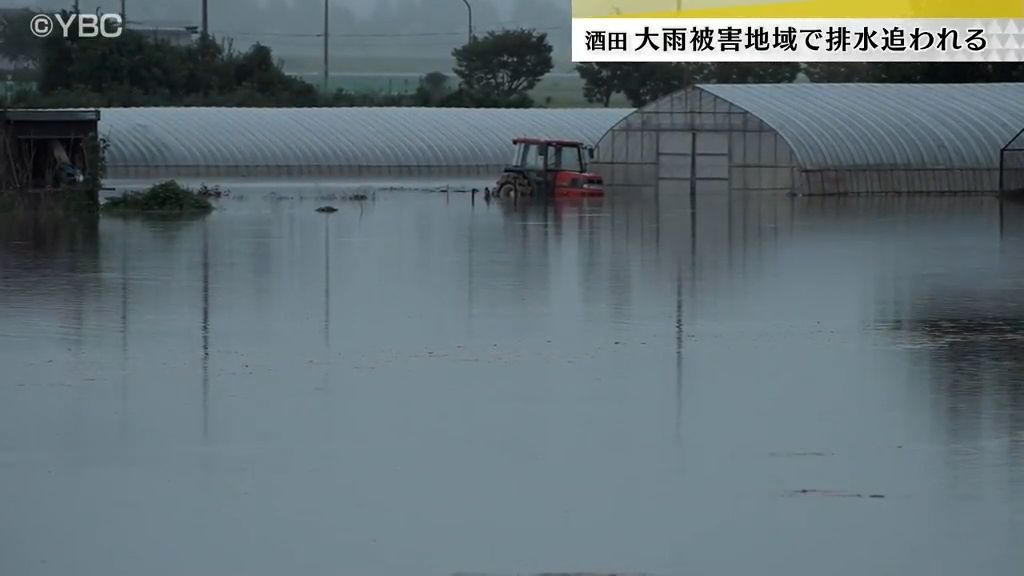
x,y
559,90
401,74
377,64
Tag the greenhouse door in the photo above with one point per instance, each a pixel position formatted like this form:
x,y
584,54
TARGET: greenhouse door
x,y
701,155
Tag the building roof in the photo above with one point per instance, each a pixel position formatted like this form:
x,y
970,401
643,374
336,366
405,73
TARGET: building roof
x,y
50,115
874,125
364,137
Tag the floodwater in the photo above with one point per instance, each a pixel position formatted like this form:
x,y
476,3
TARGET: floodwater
x,y
420,385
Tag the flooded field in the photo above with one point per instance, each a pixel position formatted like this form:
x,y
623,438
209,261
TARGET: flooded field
x,y
422,385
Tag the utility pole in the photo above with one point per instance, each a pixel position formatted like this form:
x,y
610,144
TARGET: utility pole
x,y
206,21
124,20
327,45
470,10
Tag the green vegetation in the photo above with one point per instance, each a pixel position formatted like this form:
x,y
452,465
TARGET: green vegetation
x,y
497,70
641,83
508,68
166,197
503,66
915,72
134,70
17,43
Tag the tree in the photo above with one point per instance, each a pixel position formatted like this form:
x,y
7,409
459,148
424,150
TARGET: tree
x,y
753,72
435,83
133,70
930,72
601,80
915,72
838,72
17,43
643,83
504,64
432,89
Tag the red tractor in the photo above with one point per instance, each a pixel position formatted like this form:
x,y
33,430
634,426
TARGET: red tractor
x,y
550,168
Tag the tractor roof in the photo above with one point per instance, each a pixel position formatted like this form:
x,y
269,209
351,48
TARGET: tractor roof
x,y
571,143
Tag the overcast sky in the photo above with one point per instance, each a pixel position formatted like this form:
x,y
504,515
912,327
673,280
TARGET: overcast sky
x,y
359,28
363,9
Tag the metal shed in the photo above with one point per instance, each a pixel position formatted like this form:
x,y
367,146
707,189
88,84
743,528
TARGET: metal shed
x,y
331,142
817,138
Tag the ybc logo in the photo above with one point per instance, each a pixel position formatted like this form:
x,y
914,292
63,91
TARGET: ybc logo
x,y
86,25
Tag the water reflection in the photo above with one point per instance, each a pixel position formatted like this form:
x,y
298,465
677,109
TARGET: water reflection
x,y
638,383
205,330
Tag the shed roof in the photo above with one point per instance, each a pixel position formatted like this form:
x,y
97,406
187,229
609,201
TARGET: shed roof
x,y
885,125
372,137
50,115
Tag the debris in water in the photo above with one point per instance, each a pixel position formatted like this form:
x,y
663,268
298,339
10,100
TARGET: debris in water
x,y
832,493
327,209
214,191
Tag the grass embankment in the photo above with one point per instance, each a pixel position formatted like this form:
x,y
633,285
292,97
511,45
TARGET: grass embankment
x,y
166,197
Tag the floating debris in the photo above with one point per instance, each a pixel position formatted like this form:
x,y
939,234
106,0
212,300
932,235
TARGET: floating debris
x,y
833,494
559,574
327,209
214,191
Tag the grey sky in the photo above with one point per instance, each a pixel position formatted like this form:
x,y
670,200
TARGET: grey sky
x,y
362,9
360,28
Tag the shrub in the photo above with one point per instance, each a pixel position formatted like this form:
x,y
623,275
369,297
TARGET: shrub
x,y
164,197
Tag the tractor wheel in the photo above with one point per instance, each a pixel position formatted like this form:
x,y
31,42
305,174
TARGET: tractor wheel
x,y
507,190
524,187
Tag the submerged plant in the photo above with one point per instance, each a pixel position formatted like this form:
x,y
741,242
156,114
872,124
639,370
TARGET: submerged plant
x,y
167,196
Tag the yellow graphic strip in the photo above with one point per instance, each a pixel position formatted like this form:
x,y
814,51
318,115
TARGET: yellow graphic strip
x,y
976,9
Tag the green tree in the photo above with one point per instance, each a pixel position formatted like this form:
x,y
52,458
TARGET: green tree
x,y
646,82
135,70
503,65
432,89
930,72
641,83
602,80
17,43
838,72
915,72
752,72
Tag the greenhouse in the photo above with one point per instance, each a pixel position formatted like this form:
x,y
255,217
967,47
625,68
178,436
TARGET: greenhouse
x,y
817,139
147,143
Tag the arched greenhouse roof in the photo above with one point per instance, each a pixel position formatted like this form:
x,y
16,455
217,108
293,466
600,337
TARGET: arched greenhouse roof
x,y
886,125
300,138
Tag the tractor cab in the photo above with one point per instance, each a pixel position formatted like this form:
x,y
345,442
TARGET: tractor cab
x,y
550,168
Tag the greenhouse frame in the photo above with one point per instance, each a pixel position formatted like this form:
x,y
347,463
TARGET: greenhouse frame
x,y
150,143
816,139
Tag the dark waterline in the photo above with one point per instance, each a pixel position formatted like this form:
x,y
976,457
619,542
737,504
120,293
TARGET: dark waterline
x,y
422,385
